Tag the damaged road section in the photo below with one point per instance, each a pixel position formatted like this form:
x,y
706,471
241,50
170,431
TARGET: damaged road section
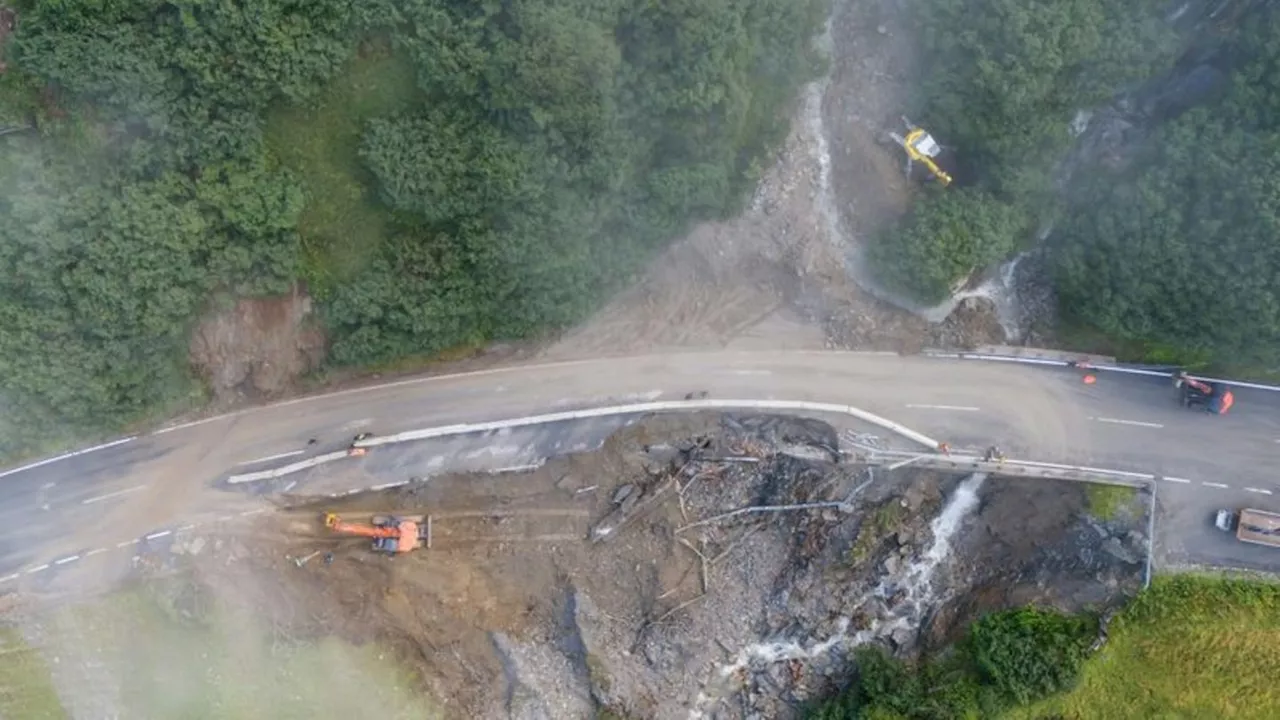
x,y
704,564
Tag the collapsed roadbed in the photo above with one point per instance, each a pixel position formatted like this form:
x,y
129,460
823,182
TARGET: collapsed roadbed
x,y
701,565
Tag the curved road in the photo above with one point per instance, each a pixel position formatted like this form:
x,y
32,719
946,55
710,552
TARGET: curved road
x,y
115,497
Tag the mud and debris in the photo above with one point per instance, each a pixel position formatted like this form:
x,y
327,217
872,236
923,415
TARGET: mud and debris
x,y
257,347
700,565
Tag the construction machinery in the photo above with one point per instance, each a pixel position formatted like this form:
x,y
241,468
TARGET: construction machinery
x,y
391,534
1211,397
921,148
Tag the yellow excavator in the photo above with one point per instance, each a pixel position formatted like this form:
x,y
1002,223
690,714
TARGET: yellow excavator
x,y
922,148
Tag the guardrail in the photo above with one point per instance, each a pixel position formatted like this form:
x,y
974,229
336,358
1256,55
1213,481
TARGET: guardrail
x,y
1086,364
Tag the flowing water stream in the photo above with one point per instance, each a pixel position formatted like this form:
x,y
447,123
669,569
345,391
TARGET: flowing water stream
x,y
912,589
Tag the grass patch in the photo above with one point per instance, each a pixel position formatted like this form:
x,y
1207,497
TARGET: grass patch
x,y
26,688
1190,647
221,667
343,221
1107,501
884,521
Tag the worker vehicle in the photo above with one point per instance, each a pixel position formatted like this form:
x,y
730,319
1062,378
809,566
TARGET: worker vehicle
x,y
1252,526
921,148
1214,398
391,534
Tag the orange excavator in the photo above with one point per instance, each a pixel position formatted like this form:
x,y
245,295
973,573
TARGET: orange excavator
x,y
391,535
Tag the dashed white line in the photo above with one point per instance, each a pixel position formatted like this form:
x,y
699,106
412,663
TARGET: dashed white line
x,y
110,495
95,551
1214,485
1260,491
1135,423
156,535
290,486
38,568
958,408
386,486
9,578
184,528
258,511
126,543
1170,478
66,560
272,457
751,372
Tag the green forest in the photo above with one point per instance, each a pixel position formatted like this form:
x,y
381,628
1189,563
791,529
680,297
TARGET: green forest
x,y
1172,250
437,172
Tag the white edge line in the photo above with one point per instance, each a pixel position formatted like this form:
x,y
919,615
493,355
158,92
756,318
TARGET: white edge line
x,y
160,534
386,486
95,551
10,578
1170,478
269,458
85,451
613,410
38,568
1136,423
66,560
1214,485
1260,491
962,408
126,543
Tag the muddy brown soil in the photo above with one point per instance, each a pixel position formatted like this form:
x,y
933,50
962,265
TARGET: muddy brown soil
x,y
609,579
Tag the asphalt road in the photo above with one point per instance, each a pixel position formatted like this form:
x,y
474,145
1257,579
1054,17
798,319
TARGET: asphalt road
x,y
63,513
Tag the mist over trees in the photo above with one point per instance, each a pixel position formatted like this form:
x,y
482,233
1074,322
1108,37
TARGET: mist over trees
x,y
1181,248
544,150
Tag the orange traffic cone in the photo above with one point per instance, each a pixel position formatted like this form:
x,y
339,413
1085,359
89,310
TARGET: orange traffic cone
x,y
1090,379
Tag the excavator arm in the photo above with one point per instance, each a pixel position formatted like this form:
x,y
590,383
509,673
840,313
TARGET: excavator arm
x,y
336,524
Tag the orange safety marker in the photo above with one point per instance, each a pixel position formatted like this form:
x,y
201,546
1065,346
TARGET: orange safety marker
x,y
1090,379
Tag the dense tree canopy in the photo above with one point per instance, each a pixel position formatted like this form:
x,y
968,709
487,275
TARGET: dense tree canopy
x,y
945,236
1180,249
1000,81
551,146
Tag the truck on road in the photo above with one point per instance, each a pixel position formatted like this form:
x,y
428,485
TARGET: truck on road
x,y
1251,526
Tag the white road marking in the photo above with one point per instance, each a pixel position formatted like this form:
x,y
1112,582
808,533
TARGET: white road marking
x,y
290,486
95,551
38,568
1170,478
960,408
1135,423
1260,491
156,535
47,485
187,527
751,372
9,578
1214,485
66,560
64,456
110,495
356,424
126,543
271,457
385,486
258,511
